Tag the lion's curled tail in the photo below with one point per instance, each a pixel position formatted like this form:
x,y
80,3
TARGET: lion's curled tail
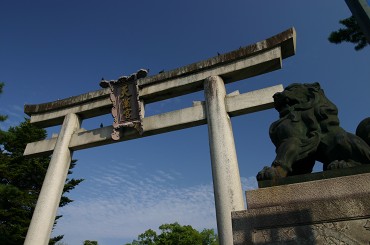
x,y
363,130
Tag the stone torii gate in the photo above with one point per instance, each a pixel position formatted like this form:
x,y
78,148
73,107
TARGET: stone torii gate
x,y
209,75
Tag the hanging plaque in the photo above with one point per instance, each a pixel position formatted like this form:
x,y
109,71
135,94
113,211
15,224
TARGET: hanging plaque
x,y
126,109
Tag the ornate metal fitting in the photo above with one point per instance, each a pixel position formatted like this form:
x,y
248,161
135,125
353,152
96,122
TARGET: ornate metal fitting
x,y
126,110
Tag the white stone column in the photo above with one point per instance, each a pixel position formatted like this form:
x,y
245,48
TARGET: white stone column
x,y
52,187
225,171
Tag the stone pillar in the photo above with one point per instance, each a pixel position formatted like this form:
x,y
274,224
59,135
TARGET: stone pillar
x,y
225,171
52,188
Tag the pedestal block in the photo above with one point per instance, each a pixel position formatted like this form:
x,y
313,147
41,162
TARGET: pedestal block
x,y
322,211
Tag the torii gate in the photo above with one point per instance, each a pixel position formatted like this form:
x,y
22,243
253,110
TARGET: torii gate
x,y
209,75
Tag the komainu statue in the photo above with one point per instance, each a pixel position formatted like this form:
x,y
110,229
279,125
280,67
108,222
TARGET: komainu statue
x,y
308,130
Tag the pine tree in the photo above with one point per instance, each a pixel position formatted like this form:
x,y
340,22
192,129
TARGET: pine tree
x,y
352,33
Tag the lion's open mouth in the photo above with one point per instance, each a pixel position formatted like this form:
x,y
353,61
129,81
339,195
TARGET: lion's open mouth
x,y
281,101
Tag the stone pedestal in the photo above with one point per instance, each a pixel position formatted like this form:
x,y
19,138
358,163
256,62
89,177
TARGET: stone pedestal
x,y
322,211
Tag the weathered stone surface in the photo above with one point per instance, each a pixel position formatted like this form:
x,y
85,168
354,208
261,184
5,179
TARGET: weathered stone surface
x,y
331,211
344,220
225,170
349,232
346,186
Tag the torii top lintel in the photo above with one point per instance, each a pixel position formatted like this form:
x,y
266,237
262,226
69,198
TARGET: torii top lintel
x,y
237,65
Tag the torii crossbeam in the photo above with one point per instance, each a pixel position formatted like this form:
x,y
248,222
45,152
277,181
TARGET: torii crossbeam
x,y
209,75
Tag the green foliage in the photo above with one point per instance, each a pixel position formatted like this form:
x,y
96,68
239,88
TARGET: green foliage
x,y
61,243
176,234
352,33
209,237
20,182
88,242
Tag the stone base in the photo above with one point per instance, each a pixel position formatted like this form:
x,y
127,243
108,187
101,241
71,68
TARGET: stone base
x,y
328,211
316,176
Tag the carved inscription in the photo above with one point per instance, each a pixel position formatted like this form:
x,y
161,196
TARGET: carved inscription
x,y
126,109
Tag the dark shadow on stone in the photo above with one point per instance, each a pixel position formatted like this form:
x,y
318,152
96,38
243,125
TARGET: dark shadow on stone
x,y
273,228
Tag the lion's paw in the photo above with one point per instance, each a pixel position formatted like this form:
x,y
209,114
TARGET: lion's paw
x,y
339,164
267,173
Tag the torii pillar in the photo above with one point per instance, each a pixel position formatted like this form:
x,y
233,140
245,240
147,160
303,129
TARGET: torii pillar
x,y
48,202
225,171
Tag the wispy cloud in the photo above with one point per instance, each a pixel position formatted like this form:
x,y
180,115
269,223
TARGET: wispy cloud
x,y
15,116
122,201
13,111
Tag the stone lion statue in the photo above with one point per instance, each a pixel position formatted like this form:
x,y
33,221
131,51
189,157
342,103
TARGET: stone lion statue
x,y
308,130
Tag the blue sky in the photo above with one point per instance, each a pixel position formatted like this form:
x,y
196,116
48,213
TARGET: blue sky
x,y
55,49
